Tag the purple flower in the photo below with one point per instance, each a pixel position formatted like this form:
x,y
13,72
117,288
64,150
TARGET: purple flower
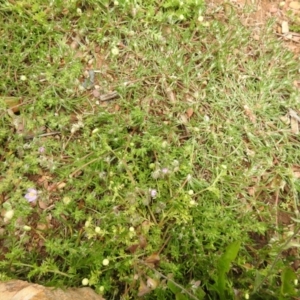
x,y
153,193
42,149
31,195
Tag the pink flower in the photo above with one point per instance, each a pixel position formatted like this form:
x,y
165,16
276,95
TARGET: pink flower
x,y
153,193
31,195
165,170
42,149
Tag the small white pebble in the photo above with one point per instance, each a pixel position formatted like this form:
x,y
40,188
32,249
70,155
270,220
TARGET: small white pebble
x,y
9,214
206,118
26,228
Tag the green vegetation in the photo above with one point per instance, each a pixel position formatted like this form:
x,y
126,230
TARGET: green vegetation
x,y
183,183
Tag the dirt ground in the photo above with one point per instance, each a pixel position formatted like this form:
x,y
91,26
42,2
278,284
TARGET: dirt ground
x,y
256,13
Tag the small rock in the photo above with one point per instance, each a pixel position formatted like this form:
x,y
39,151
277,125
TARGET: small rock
x,y
294,5
21,290
96,93
284,27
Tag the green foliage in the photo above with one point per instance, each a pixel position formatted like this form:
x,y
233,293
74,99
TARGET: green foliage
x,y
145,193
224,266
288,277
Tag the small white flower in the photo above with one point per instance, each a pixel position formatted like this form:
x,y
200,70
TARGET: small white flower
x,y
66,200
131,229
105,262
79,11
23,78
200,18
153,193
181,17
97,229
115,51
101,289
191,192
85,281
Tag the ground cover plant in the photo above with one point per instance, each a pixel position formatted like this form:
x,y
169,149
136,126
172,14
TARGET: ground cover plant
x,y
148,149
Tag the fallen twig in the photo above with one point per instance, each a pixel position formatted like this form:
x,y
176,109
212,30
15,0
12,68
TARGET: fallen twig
x,y
109,96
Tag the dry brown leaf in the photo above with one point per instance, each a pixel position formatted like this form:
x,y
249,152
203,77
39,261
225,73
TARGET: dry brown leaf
x,y
143,289
142,242
152,283
132,249
61,185
41,226
294,126
285,119
249,114
146,226
11,103
43,204
251,191
189,112
296,171
153,258
183,119
196,283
